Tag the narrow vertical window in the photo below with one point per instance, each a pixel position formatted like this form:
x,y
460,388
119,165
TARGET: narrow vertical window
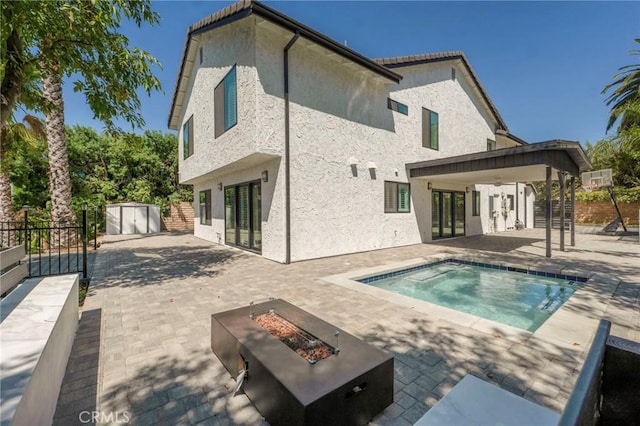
x,y
429,129
187,138
476,203
205,207
225,103
200,54
397,106
491,145
453,74
397,197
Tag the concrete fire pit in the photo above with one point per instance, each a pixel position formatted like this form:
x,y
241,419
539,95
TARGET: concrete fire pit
x,y
349,384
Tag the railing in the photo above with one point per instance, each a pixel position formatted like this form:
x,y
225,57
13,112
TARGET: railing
x,y
51,248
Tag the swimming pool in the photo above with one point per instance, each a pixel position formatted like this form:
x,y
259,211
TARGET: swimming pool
x,y
514,296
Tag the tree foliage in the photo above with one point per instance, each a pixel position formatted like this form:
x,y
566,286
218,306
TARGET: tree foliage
x,y
81,39
105,168
625,90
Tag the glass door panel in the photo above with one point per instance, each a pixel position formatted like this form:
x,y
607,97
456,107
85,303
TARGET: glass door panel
x,y
459,214
435,215
230,215
256,216
447,214
243,215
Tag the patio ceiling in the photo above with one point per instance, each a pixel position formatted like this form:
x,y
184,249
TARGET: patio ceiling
x,y
526,163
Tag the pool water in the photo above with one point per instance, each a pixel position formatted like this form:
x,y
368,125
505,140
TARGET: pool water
x,y
513,298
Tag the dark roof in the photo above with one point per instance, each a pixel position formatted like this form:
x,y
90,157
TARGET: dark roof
x,y
405,61
511,136
244,8
540,153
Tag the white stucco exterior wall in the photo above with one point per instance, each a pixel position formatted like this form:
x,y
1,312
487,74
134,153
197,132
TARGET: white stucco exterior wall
x,y
338,113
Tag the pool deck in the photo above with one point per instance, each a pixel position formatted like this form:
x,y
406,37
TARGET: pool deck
x,y
142,353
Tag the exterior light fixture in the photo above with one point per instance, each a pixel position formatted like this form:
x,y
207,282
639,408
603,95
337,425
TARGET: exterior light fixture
x,y
429,186
353,161
468,189
219,186
84,207
371,165
265,176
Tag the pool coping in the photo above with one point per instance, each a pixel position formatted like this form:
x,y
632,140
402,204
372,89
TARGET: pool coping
x,y
572,325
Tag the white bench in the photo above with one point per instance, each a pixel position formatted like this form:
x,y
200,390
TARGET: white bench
x,y
476,402
39,322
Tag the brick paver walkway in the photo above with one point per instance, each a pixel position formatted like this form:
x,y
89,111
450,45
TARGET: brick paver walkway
x,y
142,353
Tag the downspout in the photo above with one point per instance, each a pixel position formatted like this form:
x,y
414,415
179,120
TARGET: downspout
x,y
287,174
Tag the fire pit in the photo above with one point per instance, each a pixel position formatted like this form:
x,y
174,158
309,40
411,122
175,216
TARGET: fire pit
x,y
301,369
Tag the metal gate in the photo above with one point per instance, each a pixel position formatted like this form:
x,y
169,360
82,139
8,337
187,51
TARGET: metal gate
x,y
540,220
52,248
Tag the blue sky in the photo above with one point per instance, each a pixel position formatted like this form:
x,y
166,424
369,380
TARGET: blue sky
x,y
543,64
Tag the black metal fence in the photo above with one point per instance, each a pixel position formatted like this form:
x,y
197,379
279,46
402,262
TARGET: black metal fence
x,y
540,220
52,248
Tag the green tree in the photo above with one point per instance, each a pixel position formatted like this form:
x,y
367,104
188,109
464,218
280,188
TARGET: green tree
x,y
625,90
47,41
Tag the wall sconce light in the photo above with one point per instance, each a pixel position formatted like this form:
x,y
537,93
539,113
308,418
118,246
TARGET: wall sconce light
x,y
396,172
265,176
219,186
429,186
353,161
371,165
468,189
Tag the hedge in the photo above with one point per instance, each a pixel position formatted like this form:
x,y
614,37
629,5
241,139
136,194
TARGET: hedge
x,y
623,195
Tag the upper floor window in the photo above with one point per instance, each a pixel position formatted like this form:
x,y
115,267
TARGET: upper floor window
x,y
397,106
429,129
205,207
187,138
475,203
491,145
225,103
397,197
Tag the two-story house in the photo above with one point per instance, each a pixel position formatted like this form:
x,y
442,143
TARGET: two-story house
x,y
298,147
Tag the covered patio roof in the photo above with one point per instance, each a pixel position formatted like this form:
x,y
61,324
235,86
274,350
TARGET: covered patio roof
x,y
542,161
525,163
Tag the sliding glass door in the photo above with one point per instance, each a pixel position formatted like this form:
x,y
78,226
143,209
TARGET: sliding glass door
x,y
447,214
243,215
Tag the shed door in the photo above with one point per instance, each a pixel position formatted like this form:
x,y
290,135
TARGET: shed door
x,y
141,220
128,220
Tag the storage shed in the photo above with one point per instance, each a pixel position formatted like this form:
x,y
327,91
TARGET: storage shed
x,y
133,218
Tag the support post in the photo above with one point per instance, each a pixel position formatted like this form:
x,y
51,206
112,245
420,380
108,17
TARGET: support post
x,y
548,213
573,211
562,179
84,241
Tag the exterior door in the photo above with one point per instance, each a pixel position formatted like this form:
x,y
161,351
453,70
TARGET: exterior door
x,y
447,214
243,215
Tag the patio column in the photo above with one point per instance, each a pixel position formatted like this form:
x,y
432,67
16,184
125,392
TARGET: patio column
x,y
573,211
548,212
562,179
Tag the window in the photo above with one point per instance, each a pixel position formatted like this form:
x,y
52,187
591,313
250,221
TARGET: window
x,y
397,106
397,197
453,74
225,103
509,206
200,54
475,198
491,145
429,129
187,138
205,207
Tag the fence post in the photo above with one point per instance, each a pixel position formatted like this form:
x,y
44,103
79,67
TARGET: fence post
x,y
84,241
26,228
95,227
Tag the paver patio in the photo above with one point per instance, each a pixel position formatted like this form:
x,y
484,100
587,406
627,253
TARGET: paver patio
x,y
142,353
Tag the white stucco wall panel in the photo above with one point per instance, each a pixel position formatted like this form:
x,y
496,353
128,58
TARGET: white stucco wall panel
x,y
230,45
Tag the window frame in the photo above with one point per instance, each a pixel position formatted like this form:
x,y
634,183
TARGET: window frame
x,y
220,103
397,106
428,129
491,145
476,204
395,208
206,218
187,143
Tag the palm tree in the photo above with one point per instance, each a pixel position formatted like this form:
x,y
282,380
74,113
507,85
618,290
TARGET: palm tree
x,y
626,90
11,134
59,180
